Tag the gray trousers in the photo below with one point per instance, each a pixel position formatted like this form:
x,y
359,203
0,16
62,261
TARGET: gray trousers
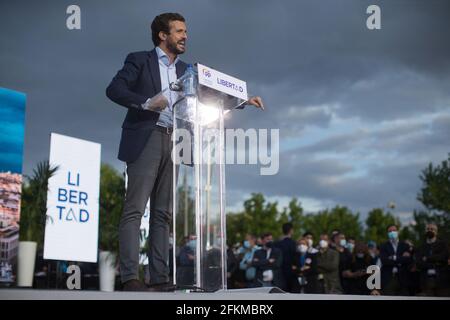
x,y
150,176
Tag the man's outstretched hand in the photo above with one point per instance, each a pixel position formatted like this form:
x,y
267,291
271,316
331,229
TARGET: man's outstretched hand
x,y
257,102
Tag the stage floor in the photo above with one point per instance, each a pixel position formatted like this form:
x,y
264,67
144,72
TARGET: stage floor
x,y
241,294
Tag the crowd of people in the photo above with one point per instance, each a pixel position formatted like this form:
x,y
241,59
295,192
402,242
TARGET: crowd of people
x,y
338,264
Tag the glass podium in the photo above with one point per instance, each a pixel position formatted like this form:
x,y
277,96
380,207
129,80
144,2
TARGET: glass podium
x,y
199,218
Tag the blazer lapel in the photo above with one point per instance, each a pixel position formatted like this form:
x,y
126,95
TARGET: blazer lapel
x,y
181,68
154,71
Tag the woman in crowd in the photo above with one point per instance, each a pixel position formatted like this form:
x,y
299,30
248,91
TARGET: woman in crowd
x,y
305,268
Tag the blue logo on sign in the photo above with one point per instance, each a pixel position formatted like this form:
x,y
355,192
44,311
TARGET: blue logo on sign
x,y
229,84
207,73
70,196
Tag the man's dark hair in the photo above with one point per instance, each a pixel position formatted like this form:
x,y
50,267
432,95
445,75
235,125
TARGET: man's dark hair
x,y
391,225
287,227
334,236
307,233
265,235
161,23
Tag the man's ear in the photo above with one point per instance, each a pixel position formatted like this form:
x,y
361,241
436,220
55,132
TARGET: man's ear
x,y
162,35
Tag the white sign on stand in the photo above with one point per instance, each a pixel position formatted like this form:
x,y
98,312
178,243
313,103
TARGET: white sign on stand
x,y
222,82
71,230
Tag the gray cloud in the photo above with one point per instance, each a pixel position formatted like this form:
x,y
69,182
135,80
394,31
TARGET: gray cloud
x,y
312,61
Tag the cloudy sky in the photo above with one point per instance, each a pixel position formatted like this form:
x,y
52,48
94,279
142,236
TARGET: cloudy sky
x,y
360,111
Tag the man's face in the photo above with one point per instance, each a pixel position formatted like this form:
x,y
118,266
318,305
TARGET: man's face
x,y
432,228
251,240
175,40
268,239
338,238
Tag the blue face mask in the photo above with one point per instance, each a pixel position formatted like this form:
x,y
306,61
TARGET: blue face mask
x,y
343,242
350,246
192,244
393,235
246,244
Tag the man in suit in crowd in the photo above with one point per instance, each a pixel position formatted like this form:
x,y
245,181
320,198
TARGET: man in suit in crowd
x,y
396,258
288,248
267,262
145,146
432,262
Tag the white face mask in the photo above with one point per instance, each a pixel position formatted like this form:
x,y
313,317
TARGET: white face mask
x,y
323,244
310,243
302,248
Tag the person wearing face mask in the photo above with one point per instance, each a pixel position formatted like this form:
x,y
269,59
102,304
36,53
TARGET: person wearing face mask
x,y
355,272
351,242
185,263
431,261
373,252
267,262
305,269
328,268
396,259
345,256
249,248
310,242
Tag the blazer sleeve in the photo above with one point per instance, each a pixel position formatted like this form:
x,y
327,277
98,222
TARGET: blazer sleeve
x,y
404,260
261,261
384,256
120,90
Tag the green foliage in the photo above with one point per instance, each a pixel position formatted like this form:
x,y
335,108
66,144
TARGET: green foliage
x,y
338,218
33,214
435,192
422,218
435,196
258,217
377,223
294,214
112,191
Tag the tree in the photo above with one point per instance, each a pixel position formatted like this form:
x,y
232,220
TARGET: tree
x,y
435,196
258,217
294,214
34,203
435,192
422,218
377,223
112,191
338,218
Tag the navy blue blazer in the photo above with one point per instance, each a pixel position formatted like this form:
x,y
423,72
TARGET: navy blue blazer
x,y
138,80
388,264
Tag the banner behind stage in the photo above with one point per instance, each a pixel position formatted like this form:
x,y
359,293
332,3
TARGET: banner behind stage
x,y
12,130
71,231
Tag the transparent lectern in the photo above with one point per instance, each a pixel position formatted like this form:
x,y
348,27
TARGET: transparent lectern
x,y
199,222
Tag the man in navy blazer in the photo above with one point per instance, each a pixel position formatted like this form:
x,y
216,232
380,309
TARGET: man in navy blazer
x,y
396,258
145,146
